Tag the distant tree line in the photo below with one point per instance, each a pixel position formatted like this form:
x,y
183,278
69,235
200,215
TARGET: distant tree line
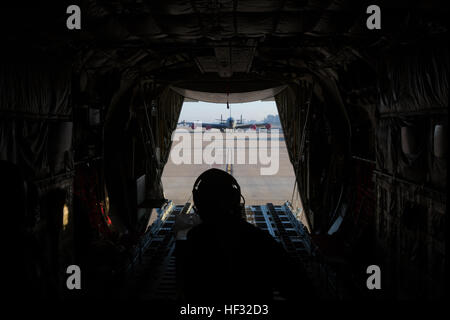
x,y
271,118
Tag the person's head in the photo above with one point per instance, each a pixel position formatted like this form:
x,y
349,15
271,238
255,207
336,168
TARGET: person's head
x,y
217,195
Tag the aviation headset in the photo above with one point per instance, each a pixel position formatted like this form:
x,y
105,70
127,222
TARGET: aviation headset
x,y
214,181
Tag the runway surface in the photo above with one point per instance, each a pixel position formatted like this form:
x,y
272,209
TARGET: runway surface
x,y
256,187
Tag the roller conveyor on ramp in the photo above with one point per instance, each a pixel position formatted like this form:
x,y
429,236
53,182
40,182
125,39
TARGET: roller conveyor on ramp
x,y
152,272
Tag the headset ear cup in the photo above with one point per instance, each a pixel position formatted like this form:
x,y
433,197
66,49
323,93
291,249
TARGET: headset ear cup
x,y
196,200
241,210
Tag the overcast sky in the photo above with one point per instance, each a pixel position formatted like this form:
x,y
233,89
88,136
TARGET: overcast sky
x,y
209,112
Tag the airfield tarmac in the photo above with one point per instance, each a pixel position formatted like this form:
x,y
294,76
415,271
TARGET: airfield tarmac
x,y
257,189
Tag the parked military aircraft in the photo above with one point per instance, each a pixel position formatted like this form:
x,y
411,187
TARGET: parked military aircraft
x,y
229,123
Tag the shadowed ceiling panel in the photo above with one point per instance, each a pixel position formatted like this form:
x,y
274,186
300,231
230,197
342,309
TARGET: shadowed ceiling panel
x,y
240,97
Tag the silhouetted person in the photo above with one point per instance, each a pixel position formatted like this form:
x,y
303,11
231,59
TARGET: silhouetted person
x,y
225,258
